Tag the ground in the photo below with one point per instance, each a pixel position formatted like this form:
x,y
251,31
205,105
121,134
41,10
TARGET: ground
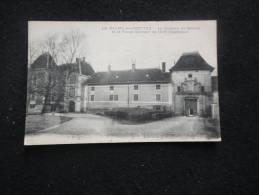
x,y
88,128
37,122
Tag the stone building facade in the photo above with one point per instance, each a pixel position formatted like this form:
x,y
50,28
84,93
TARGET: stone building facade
x,y
187,89
56,88
191,79
147,88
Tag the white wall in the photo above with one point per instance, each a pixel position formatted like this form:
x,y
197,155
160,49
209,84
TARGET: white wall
x,y
146,94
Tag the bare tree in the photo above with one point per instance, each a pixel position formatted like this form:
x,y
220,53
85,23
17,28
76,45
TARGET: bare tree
x,y
52,46
33,51
70,45
50,83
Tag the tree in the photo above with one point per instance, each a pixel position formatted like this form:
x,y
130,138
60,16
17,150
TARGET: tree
x,y
52,46
51,85
70,45
33,51
42,83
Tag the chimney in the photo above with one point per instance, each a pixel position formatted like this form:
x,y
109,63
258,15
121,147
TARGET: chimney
x,y
109,68
133,67
163,66
78,62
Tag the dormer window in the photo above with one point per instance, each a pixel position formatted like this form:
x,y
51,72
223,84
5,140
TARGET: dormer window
x,y
189,76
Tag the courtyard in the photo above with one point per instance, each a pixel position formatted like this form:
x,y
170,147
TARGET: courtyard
x,y
89,128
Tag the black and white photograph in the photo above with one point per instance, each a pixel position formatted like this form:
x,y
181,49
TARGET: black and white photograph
x,y
117,82
129,97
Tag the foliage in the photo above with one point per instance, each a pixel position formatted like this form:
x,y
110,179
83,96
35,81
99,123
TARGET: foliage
x,y
137,114
48,85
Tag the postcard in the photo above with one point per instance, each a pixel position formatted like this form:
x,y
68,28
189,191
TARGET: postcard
x,y
117,82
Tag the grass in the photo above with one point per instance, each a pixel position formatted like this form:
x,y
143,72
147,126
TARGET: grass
x,y
39,122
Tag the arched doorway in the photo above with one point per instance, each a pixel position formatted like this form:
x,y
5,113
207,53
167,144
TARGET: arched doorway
x,y
190,106
71,106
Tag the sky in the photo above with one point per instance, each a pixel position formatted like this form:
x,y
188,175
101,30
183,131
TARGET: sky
x,y
148,44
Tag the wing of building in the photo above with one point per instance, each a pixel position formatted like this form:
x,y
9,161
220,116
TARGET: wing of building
x,y
53,87
185,90
148,88
191,79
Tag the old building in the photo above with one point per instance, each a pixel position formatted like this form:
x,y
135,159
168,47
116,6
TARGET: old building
x,y
215,99
187,89
75,75
42,76
149,88
191,80
53,87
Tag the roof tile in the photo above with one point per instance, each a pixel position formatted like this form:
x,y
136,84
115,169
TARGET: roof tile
x,y
191,61
128,76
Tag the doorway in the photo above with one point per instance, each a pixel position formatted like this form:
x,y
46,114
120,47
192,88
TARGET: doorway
x,y
71,106
190,106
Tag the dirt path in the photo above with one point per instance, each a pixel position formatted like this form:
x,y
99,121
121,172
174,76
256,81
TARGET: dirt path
x,y
87,127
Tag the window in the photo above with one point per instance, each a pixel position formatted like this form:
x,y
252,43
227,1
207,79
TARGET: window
x,y
202,88
33,96
135,97
158,86
157,108
92,97
111,97
135,87
34,81
189,75
71,91
158,97
40,77
92,88
111,88
72,79
178,89
32,105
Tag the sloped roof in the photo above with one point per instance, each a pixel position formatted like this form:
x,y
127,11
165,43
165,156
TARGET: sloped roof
x,y
129,77
214,83
86,68
191,61
43,60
